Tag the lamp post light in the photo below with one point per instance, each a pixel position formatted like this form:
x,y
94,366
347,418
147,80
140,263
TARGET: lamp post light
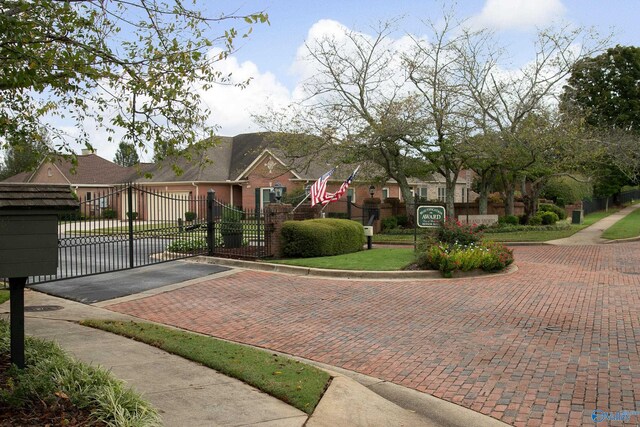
x,y
278,190
372,190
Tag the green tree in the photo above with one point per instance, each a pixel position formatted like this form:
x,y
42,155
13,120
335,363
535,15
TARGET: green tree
x,y
79,60
604,90
23,155
127,155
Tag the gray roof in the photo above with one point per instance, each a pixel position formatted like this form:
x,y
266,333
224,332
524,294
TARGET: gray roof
x,y
15,196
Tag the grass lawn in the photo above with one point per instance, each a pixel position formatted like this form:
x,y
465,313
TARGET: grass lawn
x,y
514,236
293,382
627,227
4,295
383,259
54,386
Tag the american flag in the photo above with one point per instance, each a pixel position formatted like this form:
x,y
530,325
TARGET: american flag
x,y
318,190
333,197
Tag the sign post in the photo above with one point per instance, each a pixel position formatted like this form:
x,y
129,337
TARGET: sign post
x,y
430,216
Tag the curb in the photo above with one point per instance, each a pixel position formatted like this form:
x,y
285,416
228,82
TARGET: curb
x,y
343,274
630,239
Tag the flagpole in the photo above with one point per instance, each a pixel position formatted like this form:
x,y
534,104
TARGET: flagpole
x,y
303,200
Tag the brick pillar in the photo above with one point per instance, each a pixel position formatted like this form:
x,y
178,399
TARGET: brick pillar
x,y
275,215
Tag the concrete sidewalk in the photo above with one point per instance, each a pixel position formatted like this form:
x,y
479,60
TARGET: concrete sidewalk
x,y
187,393
592,234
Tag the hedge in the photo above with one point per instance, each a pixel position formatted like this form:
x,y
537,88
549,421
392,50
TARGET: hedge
x,y
321,237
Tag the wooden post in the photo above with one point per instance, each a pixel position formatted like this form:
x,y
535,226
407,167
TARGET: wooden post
x,y
16,305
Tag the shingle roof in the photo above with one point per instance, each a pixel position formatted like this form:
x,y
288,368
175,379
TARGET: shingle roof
x,y
20,177
93,169
34,196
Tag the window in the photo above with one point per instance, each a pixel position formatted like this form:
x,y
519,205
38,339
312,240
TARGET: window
x,y
351,195
442,194
463,192
385,193
422,192
265,194
88,195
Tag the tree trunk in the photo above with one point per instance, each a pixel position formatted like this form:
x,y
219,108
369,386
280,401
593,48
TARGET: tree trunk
x,y
509,199
450,186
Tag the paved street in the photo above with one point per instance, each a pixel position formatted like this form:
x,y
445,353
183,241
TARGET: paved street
x,y
547,344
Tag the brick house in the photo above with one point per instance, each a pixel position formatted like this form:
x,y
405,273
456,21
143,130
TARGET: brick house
x,y
244,169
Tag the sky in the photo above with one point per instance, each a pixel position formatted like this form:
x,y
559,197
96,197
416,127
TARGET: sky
x,y
273,55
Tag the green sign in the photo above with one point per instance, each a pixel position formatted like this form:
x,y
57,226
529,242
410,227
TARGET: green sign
x,y
430,216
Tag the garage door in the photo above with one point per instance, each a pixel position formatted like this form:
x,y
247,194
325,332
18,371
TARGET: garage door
x,y
167,206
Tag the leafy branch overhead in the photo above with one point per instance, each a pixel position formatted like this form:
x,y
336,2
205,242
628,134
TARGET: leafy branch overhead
x,y
84,61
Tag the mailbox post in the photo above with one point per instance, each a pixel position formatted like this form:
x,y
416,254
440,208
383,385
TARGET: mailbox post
x,y
28,244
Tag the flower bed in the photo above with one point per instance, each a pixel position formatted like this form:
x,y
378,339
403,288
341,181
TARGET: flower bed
x,y
448,258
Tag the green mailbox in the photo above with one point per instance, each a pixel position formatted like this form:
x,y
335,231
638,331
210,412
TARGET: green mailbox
x,y
28,244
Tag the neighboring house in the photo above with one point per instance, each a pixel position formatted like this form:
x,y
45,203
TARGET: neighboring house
x,y
242,170
91,178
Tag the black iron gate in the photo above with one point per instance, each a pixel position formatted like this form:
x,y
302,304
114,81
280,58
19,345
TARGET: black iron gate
x,y
128,227
235,232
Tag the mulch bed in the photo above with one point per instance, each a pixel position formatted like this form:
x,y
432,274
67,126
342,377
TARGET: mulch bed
x,y
38,414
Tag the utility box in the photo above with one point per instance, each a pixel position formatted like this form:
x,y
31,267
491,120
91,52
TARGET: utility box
x,y
368,230
29,227
577,216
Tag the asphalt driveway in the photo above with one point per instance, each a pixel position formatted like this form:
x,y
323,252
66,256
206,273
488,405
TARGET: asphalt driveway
x,y
548,344
106,286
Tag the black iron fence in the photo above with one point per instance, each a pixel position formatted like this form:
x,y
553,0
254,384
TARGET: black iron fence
x,y
127,227
602,203
234,232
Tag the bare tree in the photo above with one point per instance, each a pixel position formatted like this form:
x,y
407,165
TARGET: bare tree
x,y
357,106
505,100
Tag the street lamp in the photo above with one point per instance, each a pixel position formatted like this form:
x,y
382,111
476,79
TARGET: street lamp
x,y
278,189
372,190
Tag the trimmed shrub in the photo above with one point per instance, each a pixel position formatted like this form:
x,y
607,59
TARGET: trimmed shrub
x,y
453,231
109,214
535,220
389,223
545,207
403,220
321,237
548,218
193,244
190,216
132,215
509,219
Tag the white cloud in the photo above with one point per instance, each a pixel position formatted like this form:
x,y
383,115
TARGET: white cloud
x,y
518,14
232,106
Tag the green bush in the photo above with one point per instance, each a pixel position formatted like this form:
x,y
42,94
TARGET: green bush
x,y
389,223
453,232
546,207
230,214
509,219
109,214
403,220
190,216
50,373
547,218
194,244
489,256
132,215
535,220
321,237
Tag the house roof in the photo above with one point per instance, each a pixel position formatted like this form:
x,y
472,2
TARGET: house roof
x,y
20,177
90,169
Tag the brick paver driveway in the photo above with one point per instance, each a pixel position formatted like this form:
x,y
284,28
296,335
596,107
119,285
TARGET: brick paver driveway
x,y
545,345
